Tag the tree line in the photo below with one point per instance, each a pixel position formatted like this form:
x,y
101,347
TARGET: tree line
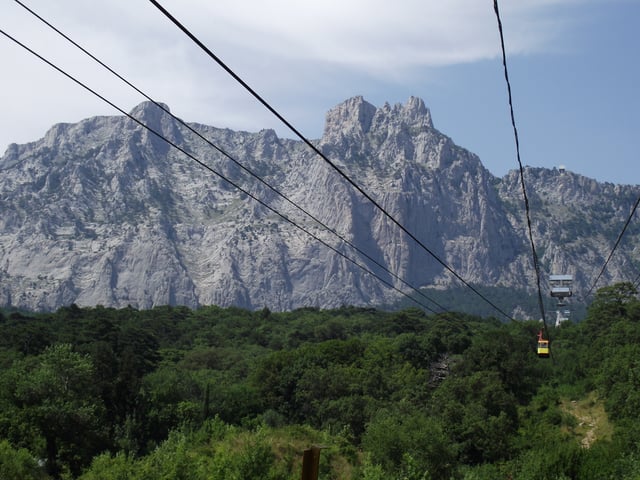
x,y
171,392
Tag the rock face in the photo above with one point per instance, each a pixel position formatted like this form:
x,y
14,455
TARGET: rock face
x,y
106,212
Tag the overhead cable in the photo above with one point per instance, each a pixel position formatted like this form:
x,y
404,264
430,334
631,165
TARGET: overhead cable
x,y
230,157
522,182
315,149
595,282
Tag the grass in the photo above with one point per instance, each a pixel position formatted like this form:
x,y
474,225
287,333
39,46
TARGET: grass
x,y
591,421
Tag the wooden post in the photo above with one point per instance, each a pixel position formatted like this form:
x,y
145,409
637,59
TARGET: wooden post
x,y
311,463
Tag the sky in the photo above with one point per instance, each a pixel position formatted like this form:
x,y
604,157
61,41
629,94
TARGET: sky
x,y
573,65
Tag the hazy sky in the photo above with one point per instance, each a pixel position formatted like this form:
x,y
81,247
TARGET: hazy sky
x,y
574,68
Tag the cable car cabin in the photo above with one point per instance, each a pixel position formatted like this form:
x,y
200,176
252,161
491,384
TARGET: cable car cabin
x,y
561,286
543,346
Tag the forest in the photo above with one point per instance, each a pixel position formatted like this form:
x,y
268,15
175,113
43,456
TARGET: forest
x,y
225,393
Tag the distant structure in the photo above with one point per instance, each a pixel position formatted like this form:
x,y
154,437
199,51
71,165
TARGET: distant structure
x,y
561,168
561,289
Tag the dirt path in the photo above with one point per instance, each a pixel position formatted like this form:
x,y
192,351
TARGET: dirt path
x,y
592,422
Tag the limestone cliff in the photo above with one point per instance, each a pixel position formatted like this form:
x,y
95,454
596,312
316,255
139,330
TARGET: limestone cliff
x,y
104,212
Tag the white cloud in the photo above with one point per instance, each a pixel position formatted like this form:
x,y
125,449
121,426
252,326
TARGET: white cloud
x,y
278,46
375,35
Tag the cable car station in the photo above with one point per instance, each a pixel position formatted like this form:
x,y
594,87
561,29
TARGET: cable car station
x,y
561,290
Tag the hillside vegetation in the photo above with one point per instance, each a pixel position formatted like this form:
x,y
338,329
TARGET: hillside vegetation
x,y
225,393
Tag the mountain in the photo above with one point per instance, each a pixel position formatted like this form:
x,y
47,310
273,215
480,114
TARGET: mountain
x,y
105,212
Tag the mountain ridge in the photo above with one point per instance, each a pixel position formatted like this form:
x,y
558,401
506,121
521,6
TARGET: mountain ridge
x,y
104,212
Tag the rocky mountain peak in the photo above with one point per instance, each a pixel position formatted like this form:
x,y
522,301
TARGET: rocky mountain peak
x,y
149,111
350,118
413,117
105,212
414,113
159,120
362,135
355,118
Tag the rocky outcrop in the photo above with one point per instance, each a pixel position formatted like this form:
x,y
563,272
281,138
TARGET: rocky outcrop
x,y
106,212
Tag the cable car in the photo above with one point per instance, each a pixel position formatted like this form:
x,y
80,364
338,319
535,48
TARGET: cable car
x,y
561,286
543,346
